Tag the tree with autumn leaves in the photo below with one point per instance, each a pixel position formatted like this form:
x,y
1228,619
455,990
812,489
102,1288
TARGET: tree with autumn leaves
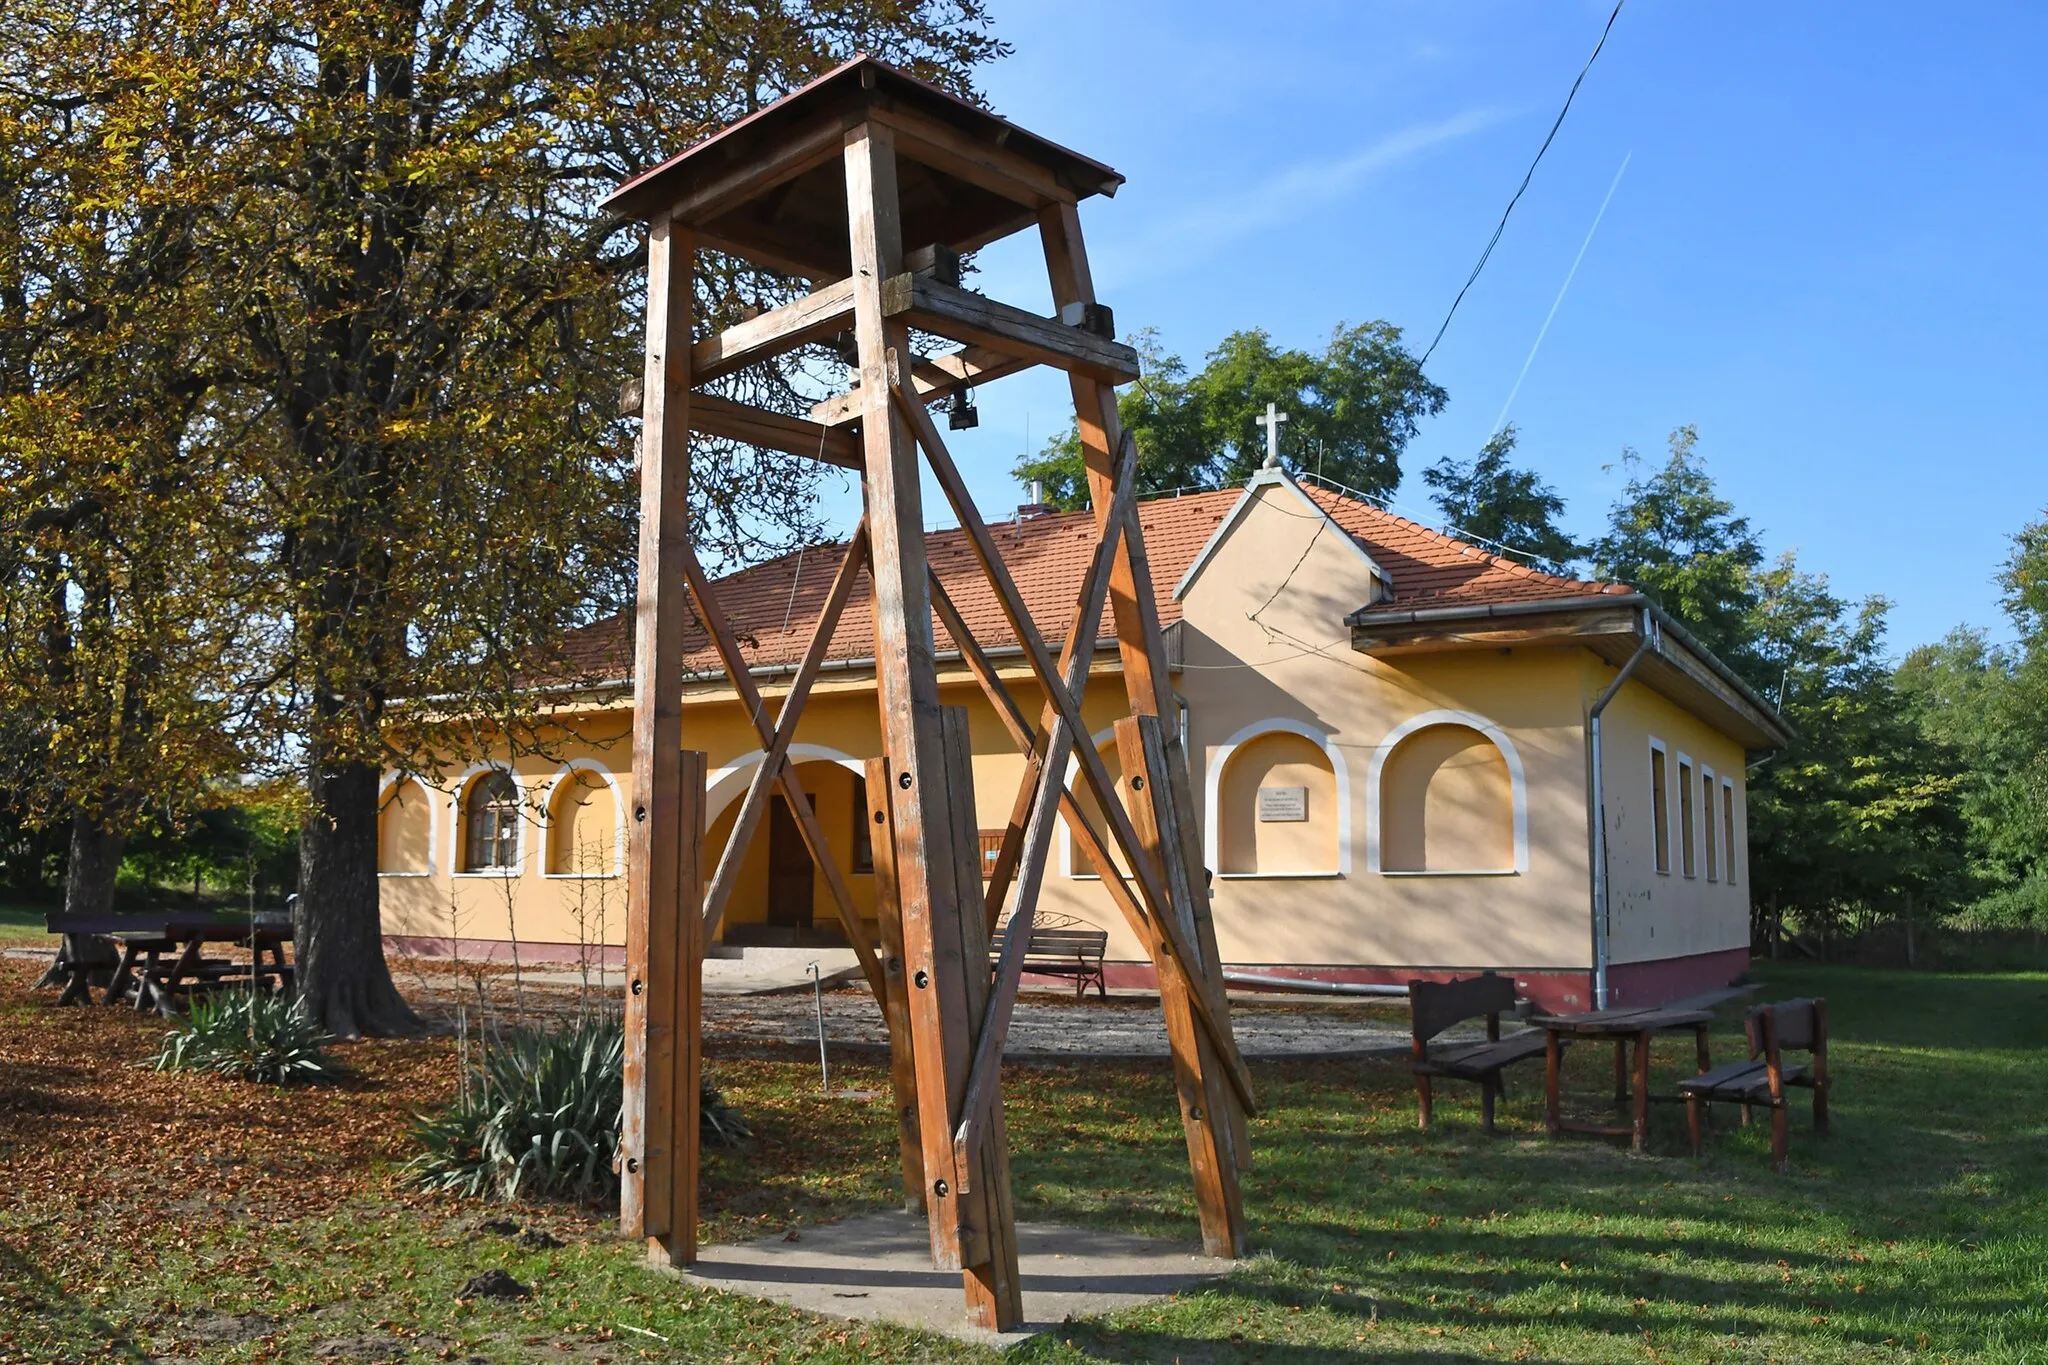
x,y
394,325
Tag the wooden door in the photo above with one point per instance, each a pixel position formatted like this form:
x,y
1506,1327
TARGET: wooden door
x,y
791,874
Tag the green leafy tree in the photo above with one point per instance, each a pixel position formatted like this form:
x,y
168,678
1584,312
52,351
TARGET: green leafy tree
x,y
132,643
431,320
1860,813
1990,703
1673,536
1351,411
1489,499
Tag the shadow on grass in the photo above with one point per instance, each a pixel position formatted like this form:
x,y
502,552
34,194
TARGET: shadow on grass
x,y
77,1329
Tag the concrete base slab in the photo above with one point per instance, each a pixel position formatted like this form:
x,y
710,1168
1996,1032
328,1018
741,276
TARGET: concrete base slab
x,y
880,1267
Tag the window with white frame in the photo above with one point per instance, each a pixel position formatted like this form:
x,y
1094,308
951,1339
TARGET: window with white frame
x,y
490,826
1687,851
1728,827
1660,808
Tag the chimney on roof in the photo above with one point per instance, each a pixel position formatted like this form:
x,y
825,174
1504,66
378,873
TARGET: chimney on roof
x,y
1038,506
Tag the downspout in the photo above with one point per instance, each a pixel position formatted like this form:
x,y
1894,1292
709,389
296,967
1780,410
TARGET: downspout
x,y
1596,809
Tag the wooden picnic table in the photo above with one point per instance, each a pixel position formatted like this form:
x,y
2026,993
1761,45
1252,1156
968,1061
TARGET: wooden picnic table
x,y
154,982
1627,1028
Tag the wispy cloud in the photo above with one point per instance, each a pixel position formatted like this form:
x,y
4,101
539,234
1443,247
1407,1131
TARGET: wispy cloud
x,y
1282,198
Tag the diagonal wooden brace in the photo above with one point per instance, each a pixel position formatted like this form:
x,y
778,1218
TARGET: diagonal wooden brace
x,y
984,1076
777,750
728,647
1088,841
1205,997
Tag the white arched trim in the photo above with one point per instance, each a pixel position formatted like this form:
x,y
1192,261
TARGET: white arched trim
x,y
455,800
391,781
1066,836
1212,788
727,784
1518,791
547,819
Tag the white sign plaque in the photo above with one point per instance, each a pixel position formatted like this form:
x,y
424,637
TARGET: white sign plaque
x,y
1283,803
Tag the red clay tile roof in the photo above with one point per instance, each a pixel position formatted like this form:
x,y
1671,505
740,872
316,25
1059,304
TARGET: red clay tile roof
x,y
1431,569
773,606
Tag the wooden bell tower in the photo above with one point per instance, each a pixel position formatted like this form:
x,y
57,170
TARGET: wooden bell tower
x,y
870,184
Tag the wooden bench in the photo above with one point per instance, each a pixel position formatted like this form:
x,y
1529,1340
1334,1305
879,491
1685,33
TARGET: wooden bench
x,y
1435,1006
1061,952
1789,1025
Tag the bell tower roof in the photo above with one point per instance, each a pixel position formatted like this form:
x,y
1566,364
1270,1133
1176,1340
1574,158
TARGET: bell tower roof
x,y
771,187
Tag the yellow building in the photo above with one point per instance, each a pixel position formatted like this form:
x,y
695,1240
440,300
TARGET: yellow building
x,y
1392,735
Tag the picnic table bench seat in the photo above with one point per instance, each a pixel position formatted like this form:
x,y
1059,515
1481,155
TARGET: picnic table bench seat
x,y
1076,953
1437,1005
1773,1030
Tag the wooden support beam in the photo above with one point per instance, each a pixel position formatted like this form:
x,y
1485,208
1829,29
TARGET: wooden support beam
x,y
715,416
982,1163
657,869
728,646
1207,998
775,752
936,378
928,861
711,415
896,1007
816,315
1191,976
984,1077
949,311
1088,841
1028,742
1206,1101
676,1068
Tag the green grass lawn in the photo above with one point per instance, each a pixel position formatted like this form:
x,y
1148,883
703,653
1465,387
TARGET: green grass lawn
x,y
1918,1230
22,925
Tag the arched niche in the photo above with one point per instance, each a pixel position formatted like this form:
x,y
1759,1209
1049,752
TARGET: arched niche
x,y
1279,804
405,829
586,822
1448,798
1071,863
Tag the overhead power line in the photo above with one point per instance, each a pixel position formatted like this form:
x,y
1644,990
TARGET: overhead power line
x,y
1528,175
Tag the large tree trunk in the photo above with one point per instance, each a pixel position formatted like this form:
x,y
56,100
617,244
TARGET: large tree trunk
x,y
89,874
91,869
343,978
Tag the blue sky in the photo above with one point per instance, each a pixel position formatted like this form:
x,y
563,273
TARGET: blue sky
x,y
1827,249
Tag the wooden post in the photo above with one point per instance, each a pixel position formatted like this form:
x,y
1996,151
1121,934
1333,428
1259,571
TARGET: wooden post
x,y
896,1003
675,1053
927,845
659,869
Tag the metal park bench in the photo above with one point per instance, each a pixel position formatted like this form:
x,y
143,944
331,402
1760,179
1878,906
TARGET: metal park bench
x,y
1062,952
1436,1006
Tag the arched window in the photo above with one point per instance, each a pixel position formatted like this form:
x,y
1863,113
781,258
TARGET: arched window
x,y
1449,800
583,824
490,824
1278,808
405,831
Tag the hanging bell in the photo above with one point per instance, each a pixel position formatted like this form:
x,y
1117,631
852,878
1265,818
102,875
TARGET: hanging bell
x,y
960,413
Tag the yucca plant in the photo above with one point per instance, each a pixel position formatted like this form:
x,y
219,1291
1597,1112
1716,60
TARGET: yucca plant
x,y
538,1115
267,1038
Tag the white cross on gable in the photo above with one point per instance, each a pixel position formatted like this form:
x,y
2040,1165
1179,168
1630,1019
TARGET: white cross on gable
x,y
1271,422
